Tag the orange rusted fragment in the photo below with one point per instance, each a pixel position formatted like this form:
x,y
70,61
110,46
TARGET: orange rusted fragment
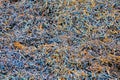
x,y
93,3
83,73
21,15
104,60
85,52
19,45
49,45
65,2
107,39
40,27
62,78
88,56
96,67
0,3
114,58
69,71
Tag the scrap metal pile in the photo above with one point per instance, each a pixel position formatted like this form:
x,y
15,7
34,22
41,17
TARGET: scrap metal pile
x,y
59,39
